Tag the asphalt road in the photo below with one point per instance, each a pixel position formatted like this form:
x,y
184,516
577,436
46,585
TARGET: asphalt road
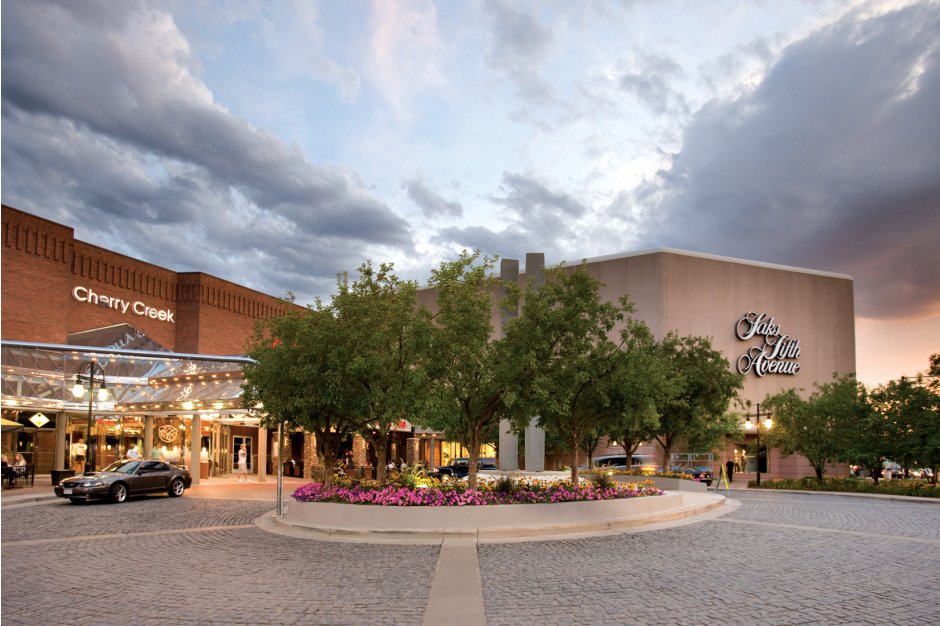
x,y
778,559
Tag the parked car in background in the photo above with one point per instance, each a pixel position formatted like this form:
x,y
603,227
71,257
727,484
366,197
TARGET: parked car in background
x,y
126,478
640,462
700,473
460,467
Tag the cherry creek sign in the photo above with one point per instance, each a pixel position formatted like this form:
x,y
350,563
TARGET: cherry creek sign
x,y
84,294
777,355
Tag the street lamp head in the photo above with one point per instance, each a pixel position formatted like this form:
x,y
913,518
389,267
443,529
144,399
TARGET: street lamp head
x,y
748,424
102,395
768,423
78,389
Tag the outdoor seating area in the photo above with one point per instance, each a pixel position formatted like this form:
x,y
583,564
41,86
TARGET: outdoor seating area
x,y
18,476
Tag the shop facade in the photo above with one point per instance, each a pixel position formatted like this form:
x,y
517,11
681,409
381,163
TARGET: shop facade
x,y
160,337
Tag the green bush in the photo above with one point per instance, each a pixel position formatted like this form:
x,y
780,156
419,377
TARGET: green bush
x,y
505,484
910,487
602,480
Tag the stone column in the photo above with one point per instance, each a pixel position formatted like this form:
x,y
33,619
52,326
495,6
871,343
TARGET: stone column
x,y
534,447
61,429
148,435
195,445
413,453
360,449
508,446
431,447
310,455
535,436
262,454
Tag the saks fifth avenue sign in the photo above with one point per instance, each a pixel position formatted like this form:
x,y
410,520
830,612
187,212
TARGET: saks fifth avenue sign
x,y
777,355
84,294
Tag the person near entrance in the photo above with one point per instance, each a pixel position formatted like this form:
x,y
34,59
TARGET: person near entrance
x,y
133,453
243,464
78,455
729,467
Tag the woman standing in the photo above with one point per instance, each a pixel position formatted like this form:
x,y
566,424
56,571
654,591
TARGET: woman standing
x,y
243,464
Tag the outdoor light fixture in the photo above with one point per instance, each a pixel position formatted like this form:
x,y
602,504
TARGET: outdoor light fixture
x,y
749,425
92,374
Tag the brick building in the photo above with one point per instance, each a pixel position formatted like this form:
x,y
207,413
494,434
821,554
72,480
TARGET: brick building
x,y
83,303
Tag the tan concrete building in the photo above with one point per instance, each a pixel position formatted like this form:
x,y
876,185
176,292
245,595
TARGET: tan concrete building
x,y
781,326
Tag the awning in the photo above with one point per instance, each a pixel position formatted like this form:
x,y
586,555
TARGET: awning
x,y
10,426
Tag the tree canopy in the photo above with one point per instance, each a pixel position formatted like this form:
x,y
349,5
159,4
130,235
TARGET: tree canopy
x,y
697,413
472,377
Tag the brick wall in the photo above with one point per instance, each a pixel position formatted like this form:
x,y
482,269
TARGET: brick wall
x,y
43,263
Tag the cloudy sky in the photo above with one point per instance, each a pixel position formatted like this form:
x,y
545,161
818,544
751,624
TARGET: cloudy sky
x,y
276,143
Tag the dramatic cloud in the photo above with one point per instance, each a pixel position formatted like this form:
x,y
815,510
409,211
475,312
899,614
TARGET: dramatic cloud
x,y
539,220
520,43
832,162
430,202
648,80
101,98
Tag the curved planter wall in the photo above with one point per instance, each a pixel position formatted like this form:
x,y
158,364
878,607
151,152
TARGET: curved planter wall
x,y
666,484
493,520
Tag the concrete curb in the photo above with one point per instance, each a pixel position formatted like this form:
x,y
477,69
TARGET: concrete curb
x,y
700,505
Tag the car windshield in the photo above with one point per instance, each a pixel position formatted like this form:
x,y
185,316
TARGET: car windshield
x,y
123,467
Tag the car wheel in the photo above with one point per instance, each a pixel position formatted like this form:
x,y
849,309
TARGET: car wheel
x,y
119,493
176,488
76,500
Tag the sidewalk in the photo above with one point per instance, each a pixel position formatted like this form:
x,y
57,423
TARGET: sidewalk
x,y
225,487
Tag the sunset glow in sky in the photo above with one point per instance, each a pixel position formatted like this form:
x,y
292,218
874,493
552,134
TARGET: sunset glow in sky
x,y
276,143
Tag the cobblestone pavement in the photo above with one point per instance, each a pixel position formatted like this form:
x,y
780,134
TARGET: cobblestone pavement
x,y
188,560
778,559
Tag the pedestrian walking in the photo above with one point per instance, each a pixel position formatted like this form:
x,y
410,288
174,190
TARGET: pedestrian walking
x,y
243,464
729,466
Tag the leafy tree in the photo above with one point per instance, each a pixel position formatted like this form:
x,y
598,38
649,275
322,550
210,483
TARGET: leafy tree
x,y
813,427
300,380
865,436
384,338
640,384
473,379
697,413
909,408
561,339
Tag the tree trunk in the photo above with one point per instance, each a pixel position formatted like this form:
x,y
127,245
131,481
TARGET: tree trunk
x,y
381,455
666,443
576,445
819,471
327,448
474,453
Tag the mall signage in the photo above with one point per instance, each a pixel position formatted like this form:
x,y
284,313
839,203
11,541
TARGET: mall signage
x,y
85,294
777,355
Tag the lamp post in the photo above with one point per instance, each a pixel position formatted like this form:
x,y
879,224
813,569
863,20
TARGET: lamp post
x,y
93,374
748,425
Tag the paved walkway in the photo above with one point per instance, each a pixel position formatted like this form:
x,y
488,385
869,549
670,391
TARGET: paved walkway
x,y
779,558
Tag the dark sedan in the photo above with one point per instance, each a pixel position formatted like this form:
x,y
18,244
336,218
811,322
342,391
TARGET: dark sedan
x,y
126,478
702,474
460,468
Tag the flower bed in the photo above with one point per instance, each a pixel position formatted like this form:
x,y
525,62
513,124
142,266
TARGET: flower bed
x,y
457,494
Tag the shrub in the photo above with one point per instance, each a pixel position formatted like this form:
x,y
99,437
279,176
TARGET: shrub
x,y
504,484
602,480
908,487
